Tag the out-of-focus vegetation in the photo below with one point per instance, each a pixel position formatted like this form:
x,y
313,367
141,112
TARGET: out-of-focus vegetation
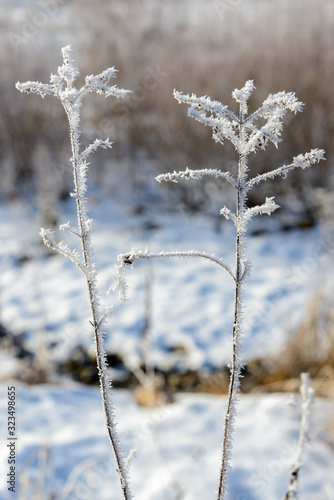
x,y
202,47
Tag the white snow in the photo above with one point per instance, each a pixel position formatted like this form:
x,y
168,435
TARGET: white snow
x,y
178,445
192,298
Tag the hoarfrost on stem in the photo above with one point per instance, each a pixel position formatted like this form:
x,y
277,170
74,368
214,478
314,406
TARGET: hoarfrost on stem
x,y
247,138
62,86
307,399
242,131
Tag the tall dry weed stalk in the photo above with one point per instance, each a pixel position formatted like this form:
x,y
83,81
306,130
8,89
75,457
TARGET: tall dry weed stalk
x,y
248,133
62,87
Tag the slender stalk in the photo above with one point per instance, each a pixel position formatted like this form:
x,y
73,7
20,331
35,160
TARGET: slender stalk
x,y
247,138
85,238
235,367
307,399
61,86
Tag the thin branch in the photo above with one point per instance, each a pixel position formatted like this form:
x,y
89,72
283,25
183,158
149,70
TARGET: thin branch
x,y
207,104
300,161
196,174
130,257
105,316
281,101
307,395
228,214
246,271
68,228
41,89
266,208
98,143
63,249
71,99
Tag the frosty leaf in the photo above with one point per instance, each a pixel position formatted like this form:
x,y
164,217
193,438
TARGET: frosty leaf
x,y
98,143
212,114
62,248
42,89
89,225
302,161
276,106
242,95
68,71
228,214
106,315
102,78
67,226
247,267
195,174
267,208
269,132
308,159
130,457
99,84
120,283
281,100
207,104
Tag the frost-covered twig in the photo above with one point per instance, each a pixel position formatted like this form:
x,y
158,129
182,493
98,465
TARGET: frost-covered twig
x,y
62,86
98,143
247,138
62,248
129,258
307,398
196,174
267,208
300,161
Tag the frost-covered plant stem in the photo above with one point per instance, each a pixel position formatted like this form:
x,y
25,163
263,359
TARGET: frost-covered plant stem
x,y
129,258
71,99
246,137
307,398
236,365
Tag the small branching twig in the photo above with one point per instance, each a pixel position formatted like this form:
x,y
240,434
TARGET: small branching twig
x,y
307,398
62,86
129,258
246,138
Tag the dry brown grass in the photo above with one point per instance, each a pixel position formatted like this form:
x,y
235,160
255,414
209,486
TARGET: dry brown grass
x,y
309,349
281,45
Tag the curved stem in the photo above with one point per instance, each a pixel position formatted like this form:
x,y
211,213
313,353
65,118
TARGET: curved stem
x,y
130,257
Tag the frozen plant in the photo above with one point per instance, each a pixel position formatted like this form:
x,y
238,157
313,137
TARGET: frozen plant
x,y
247,135
307,397
62,86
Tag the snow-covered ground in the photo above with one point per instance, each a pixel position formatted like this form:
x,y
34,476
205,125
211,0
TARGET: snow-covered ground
x,y
178,446
192,299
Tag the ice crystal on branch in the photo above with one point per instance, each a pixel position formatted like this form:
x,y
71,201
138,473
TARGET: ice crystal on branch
x,y
247,136
62,86
195,174
226,125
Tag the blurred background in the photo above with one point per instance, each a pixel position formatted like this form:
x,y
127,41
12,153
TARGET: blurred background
x,y
208,48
